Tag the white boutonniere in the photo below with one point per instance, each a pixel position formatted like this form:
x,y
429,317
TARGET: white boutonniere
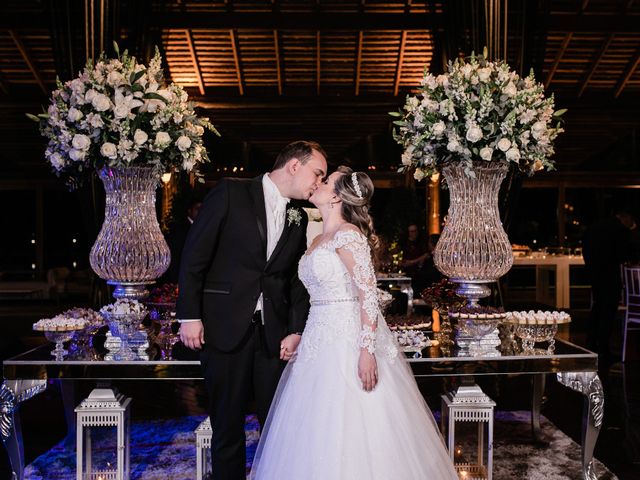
x,y
294,216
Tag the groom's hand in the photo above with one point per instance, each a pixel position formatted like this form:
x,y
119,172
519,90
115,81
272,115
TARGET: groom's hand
x,y
192,335
288,346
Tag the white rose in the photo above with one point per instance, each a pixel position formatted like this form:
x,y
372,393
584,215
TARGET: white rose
x,y
183,143
199,130
74,114
439,128
538,129
121,111
466,70
453,145
484,74
474,134
140,137
95,120
100,102
162,139
115,79
510,89
77,86
81,142
504,144
513,154
418,174
90,95
56,160
486,153
109,150
77,155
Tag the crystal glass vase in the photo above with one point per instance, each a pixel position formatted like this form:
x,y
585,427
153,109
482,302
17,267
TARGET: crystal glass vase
x,y
130,251
125,326
474,249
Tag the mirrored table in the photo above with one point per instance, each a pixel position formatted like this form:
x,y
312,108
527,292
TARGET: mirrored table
x,y
27,374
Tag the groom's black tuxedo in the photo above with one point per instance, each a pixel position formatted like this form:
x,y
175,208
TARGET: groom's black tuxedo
x,y
224,270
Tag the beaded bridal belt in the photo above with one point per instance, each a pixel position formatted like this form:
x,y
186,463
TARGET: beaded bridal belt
x,y
333,301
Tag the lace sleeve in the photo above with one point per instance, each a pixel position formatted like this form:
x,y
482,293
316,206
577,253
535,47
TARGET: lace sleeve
x,y
354,251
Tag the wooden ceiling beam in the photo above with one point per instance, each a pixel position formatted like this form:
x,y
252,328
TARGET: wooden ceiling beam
x,y
359,60
628,73
556,62
27,59
194,60
596,62
236,58
279,69
295,21
396,83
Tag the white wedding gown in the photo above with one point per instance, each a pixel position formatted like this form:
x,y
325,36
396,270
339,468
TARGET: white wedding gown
x,y
322,425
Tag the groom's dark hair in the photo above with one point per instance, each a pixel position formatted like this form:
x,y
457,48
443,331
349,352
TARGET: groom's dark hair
x,y
302,150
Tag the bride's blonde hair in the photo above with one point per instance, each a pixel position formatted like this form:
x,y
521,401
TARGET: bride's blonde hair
x,y
356,203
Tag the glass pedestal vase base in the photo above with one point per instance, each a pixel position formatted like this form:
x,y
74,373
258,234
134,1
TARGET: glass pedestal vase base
x,y
472,291
59,338
483,346
130,290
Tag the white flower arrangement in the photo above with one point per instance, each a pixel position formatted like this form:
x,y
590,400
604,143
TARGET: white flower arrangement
x,y
119,113
477,111
124,306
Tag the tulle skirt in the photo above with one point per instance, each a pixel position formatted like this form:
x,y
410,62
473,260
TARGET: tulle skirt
x,y
323,426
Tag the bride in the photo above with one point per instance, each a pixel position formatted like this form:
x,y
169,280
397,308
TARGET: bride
x,y
347,405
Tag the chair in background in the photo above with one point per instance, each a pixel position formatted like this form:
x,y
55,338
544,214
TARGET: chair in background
x,y
632,300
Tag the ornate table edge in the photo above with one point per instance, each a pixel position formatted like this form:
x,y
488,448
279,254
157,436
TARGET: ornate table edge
x,y
12,393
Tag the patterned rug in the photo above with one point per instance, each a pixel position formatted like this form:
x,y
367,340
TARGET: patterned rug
x,y
165,450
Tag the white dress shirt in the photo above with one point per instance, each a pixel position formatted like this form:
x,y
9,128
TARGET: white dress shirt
x,y
276,206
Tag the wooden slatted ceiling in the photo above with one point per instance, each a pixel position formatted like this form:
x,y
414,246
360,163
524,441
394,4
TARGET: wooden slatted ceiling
x,y
338,62
595,6
36,45
581,55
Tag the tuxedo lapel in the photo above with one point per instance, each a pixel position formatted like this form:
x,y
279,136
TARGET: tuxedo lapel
x,y
257,195
286,231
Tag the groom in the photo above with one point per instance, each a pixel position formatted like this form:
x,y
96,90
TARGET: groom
x,y
240,300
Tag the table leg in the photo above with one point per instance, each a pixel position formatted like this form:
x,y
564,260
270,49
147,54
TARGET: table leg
x,y
587,383
542,283
563,288
12,392
538,391
67,392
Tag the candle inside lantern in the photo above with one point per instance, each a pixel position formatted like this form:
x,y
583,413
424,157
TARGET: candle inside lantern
x,y
435,316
